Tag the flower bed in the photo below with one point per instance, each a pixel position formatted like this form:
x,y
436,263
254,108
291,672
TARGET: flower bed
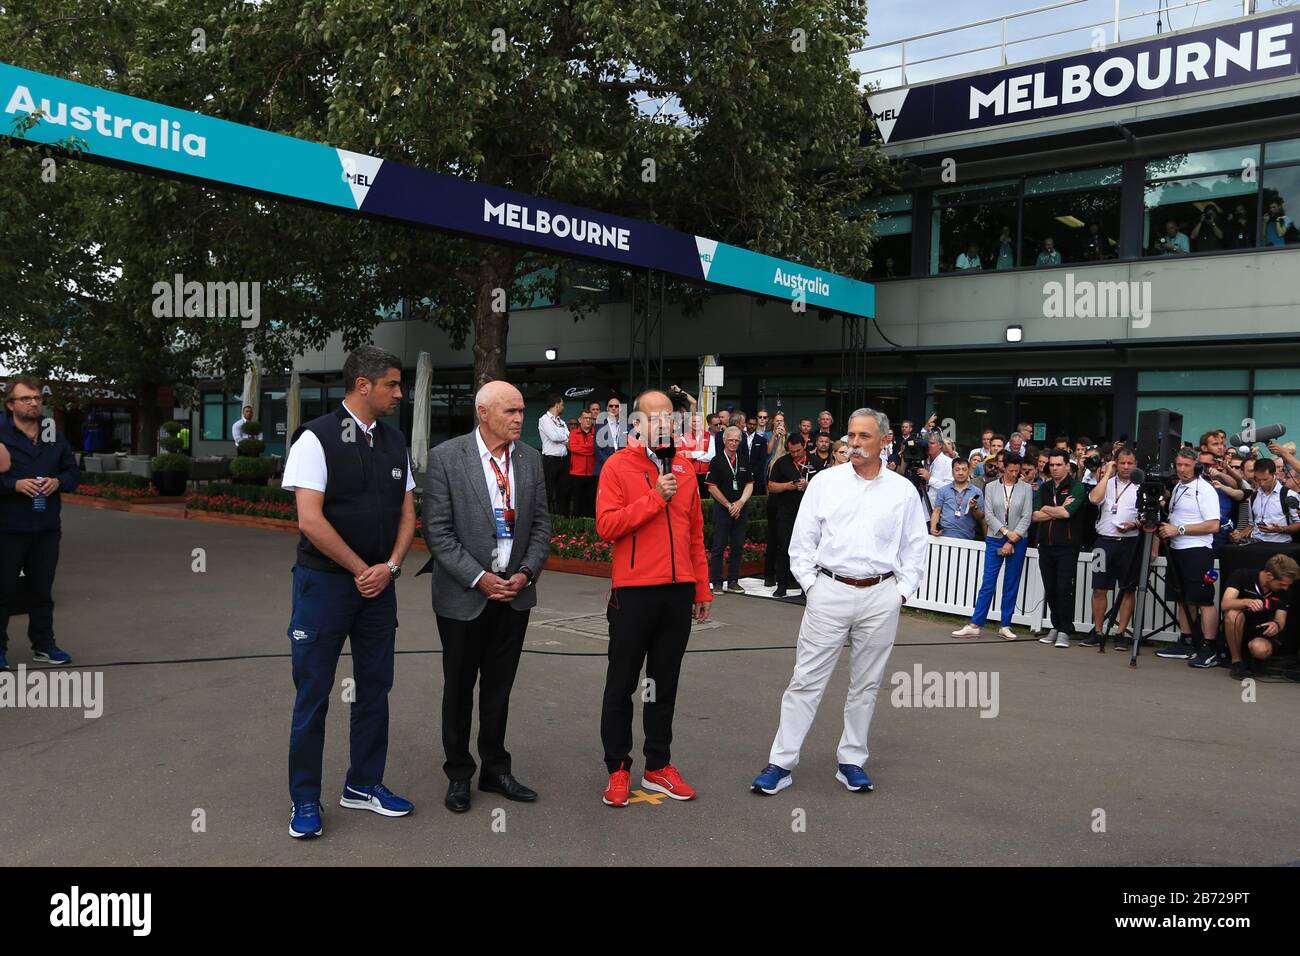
x,y
114,492
236,505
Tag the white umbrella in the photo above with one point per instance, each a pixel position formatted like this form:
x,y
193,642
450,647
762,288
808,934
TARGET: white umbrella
x,y
293,417
251,386
420,420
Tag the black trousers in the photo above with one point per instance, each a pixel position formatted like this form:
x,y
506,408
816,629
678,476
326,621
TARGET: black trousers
x,y
485,648
779,530
579,498
1057,567
651,626
36,554
555,469
727,531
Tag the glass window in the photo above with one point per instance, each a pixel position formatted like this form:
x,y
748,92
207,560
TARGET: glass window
x,y
891,253
1074,179
1071,227
1281,198
213,416
1213,380
1004,189
1209,161
972,237
1277,408
1285,151
1278,378
1201,413
889,204
1198,215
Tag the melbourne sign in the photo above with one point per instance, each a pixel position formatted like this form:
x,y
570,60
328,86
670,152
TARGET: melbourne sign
x,y
161,139
1245,51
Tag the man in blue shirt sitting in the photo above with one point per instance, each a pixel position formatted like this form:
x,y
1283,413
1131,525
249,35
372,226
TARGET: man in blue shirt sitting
x,y
957,512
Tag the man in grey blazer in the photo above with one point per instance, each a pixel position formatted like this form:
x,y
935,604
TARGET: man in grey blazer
x,y
489,534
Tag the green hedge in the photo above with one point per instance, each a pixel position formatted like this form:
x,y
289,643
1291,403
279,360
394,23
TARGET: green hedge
x,y
120,479
756,531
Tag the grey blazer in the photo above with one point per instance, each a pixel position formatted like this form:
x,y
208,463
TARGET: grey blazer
x,y
995,508
460,529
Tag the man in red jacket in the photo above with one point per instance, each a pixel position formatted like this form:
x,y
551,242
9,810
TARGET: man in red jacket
x,y
648,505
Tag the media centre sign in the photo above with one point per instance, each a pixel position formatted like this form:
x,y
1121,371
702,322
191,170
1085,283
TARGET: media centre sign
x,y
1064,382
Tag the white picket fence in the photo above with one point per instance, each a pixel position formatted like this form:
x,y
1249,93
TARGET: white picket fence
x,y
955,568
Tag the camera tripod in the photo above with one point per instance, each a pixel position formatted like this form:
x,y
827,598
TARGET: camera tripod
x,y
1145,573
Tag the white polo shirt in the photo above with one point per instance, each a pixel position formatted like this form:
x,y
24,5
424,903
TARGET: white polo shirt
x,y
1119,507
1268,509
1191,503
305,466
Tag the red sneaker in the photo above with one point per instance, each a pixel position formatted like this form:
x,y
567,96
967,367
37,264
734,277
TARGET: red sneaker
x,y
668,780
616,791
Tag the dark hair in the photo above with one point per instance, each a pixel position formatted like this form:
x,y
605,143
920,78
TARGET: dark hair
x,y
1267,465
1125,450
794,438
553,398
1085,441
998,436
1060,453
369,362
31,381
1033,450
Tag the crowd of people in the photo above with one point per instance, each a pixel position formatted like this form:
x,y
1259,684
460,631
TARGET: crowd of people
x,y
1071,497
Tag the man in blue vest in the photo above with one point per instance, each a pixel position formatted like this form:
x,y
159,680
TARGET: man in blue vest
x,y
352,481
36,466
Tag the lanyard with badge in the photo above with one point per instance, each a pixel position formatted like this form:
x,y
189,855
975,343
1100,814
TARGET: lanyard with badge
x,y
958,502
1260,513
1114,505
505,517
735,479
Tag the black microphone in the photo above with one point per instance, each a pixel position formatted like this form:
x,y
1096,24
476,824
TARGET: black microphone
x,y
1264,433
665,453
1137,476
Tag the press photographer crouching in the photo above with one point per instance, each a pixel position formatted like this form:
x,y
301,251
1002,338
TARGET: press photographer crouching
x,y
1254,612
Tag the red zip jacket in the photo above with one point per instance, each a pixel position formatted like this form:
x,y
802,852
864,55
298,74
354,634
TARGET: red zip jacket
x,y
655,541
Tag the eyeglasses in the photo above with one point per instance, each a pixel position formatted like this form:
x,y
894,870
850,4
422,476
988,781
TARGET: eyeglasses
x,y
28,399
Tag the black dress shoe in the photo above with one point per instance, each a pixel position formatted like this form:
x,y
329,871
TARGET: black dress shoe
x,y
507,786
458,796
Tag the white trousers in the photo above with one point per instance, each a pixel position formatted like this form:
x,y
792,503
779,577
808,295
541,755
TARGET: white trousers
x,y
868,618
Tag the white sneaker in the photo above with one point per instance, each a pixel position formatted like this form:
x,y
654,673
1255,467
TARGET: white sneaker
x,y
1062,640
1050,638
1007,634
970,630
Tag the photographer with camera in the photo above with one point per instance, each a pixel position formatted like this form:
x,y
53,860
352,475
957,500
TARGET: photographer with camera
x,y
1189,534
937,472
1115,496
1254,611
1207,234
1240,231
1278,226
1274,510
1173,242
1230,496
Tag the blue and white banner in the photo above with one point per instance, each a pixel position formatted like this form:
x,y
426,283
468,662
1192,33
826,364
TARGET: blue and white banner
x,y
1193,61
153,137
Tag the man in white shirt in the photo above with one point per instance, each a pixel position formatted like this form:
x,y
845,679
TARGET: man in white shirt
x,y
1115,495
938,474
237,429
986,445
858,550
1274,510
1017,445
555,451
1189,532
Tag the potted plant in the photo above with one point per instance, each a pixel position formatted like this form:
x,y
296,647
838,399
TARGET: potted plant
x,y
246,470
251,445
169,472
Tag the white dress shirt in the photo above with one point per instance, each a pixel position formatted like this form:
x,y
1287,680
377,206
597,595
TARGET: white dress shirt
x,y
940,473
504,545
237,430
1191,503
1119,507
305,466
555,435
1266,508
860,529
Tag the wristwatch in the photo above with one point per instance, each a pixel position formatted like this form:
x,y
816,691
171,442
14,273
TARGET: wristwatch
x,y
1182,530
527,572
395,570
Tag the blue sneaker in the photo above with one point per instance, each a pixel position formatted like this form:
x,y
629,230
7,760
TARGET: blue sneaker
x,y
854,778
4,661
1179,650
772,780
52,655
377,798
1207,658
305,821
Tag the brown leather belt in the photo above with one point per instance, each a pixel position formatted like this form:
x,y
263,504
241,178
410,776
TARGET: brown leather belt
x,y
857,582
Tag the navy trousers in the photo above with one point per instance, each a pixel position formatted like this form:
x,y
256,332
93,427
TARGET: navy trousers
x,y
327,610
